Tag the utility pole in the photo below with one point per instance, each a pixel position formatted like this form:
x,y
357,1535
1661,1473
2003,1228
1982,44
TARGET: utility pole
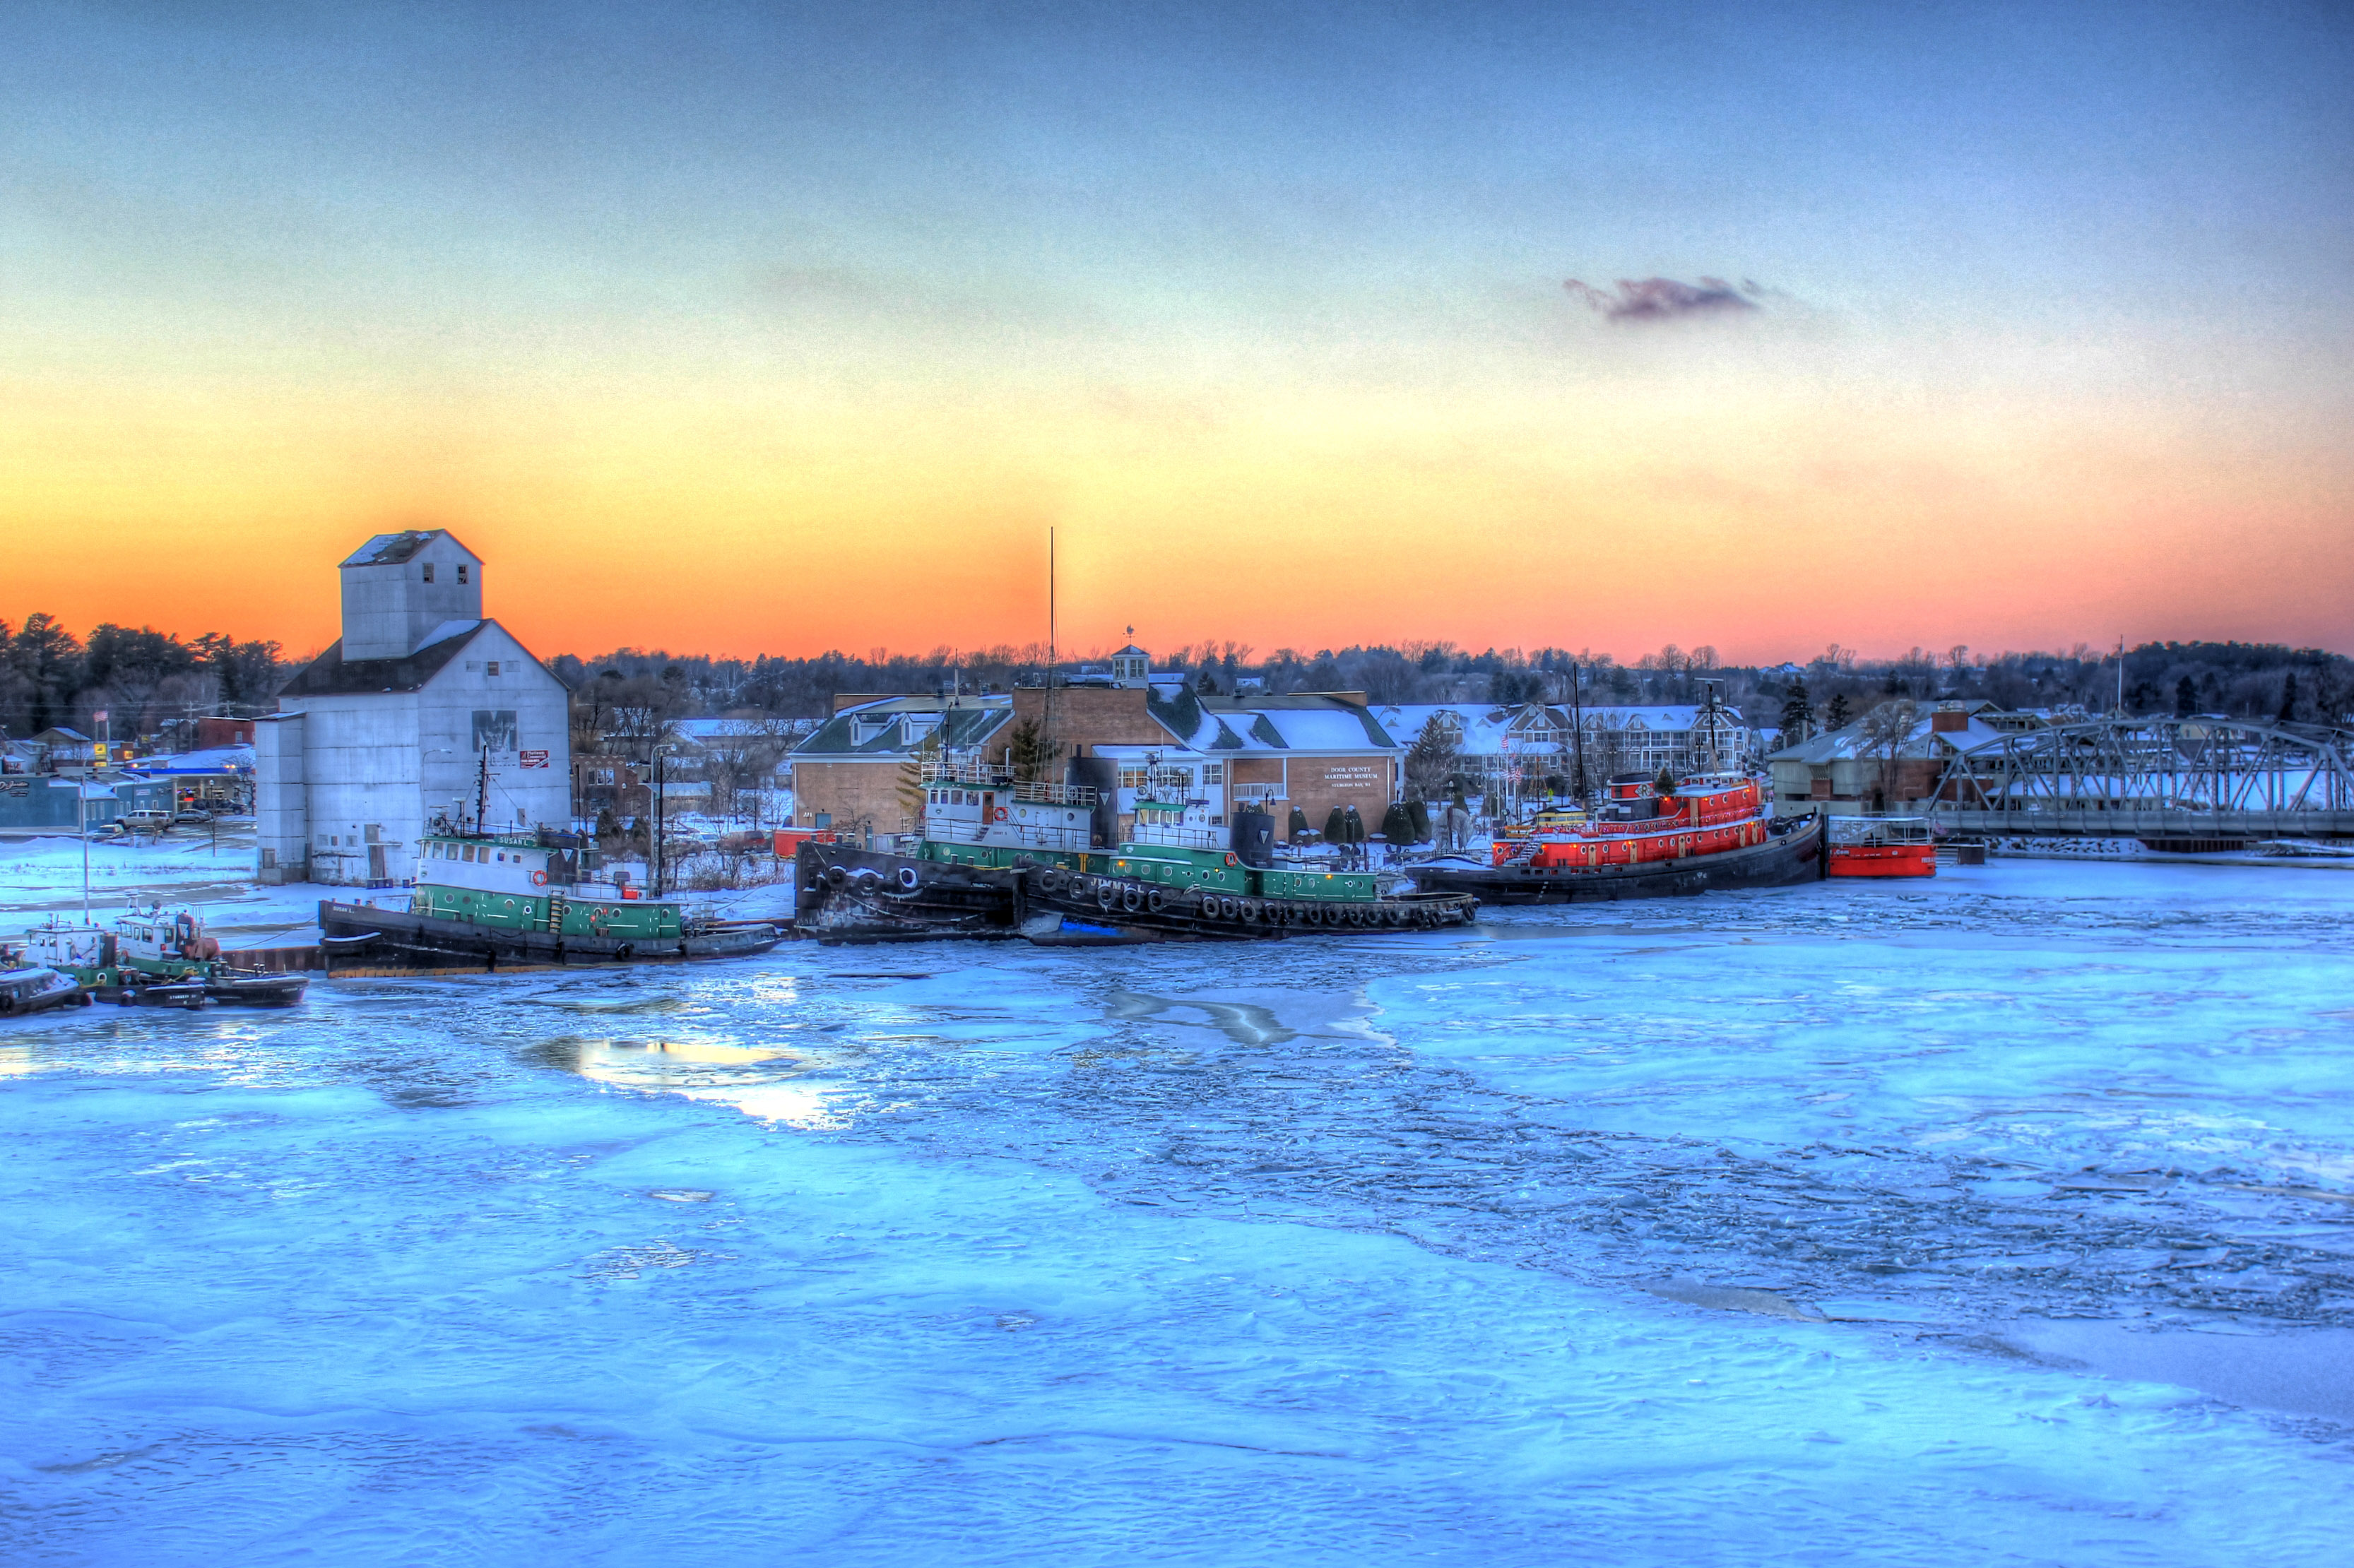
x,y
655,856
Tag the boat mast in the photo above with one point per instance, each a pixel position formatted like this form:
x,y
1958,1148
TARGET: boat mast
x,y
482,790
1047,741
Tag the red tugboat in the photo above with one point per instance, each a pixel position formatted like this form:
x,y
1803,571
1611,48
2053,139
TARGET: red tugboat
x,y
1711,831
1882,846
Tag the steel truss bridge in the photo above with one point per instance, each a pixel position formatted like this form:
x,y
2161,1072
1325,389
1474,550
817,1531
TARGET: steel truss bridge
x,y
2187,779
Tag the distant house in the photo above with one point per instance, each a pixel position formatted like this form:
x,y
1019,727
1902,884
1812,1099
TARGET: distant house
x,y
422,713
1845,773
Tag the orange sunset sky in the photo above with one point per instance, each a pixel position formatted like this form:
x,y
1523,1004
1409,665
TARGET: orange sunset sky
x,y
768,332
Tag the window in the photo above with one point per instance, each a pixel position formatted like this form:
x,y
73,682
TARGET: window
x,y
1213,773
462,573
429,571
1131,778
491,668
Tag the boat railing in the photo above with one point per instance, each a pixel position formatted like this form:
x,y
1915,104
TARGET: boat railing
x,y
1017,835
1179,838
993,775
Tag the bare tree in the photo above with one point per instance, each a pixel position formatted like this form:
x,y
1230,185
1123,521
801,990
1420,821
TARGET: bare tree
x,y
1886,728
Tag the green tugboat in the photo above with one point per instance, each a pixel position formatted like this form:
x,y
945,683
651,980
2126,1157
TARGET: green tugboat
x,y
1002,857
159,956
488,900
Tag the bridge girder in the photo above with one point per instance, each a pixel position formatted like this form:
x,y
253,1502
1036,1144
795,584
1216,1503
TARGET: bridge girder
x,y
2195,766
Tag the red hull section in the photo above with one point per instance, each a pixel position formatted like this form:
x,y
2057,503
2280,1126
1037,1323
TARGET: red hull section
x,y
1884,860
1699,820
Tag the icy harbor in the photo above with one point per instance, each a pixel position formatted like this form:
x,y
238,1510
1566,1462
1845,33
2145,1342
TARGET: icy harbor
x,y
2002,1219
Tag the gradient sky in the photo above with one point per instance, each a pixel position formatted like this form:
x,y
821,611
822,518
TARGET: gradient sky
x,y
744,329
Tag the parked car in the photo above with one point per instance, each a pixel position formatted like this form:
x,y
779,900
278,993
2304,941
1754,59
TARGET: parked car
x,y
188,815
145,821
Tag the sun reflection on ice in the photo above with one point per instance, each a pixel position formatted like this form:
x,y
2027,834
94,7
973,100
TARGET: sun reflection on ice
x,y
763,1082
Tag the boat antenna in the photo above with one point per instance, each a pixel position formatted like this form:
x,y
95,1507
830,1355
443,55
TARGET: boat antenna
x,y
1047,741
482,790
1577,730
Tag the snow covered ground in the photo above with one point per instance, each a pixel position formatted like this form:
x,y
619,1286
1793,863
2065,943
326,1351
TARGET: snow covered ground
x,y
2000,1219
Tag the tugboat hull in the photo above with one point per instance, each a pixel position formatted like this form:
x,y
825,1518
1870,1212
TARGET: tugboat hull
x,y
405,942
865,895
1792,856
37,990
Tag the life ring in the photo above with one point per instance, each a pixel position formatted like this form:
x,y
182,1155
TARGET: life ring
x,y
1131,898
998,815
907,878
539,879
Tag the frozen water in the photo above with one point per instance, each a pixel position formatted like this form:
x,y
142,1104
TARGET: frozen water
x,y
2000,1219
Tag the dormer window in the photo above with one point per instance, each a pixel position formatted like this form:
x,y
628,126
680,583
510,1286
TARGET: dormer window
x,y
429,571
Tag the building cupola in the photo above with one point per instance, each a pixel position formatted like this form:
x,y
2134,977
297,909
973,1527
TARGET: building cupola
x,y
401,589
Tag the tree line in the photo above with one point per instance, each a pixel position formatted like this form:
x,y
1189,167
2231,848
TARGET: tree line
x,y
140,676
623,699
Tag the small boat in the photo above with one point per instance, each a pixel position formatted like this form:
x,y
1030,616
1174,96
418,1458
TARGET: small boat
x,y
37,988
489,901
158,956
1710,832
1004,858
1882,846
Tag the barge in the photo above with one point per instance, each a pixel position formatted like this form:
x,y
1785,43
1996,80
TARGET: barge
x,y
491,901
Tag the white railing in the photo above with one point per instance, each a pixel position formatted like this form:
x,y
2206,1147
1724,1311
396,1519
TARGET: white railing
x,y
1012,835
1180,838
974,774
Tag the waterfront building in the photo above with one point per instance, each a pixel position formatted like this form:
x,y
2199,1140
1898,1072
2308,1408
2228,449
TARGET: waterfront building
x,y
1312,751
1849,772
852,775
423,713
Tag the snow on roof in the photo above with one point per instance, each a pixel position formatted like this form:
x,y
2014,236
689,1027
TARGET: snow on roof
x,y
1479,727
1311,729
1656,715
390,550
211,760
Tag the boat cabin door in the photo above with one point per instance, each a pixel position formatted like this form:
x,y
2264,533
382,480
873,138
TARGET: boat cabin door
x,y
988,811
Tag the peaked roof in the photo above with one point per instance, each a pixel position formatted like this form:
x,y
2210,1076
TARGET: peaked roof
x,y
968,724
390,550
333,675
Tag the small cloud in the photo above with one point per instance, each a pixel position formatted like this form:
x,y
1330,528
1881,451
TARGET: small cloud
x,y
1664,299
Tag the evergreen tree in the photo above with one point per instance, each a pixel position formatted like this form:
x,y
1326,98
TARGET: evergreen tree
x,y
2185,697
1297,829
1419,812
1797,714
1397,824
1664,786
2288,698
1336,827
1032,757
1836,715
